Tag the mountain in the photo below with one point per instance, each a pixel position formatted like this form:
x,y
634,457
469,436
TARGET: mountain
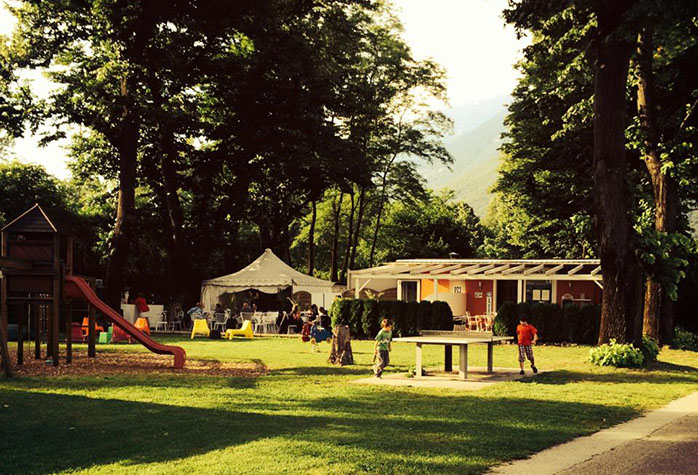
x,y
475,155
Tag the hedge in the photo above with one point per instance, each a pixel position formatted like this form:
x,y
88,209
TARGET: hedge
x,y
409,318
555,324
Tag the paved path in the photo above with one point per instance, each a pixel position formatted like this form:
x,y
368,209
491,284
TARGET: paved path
x,y
664,441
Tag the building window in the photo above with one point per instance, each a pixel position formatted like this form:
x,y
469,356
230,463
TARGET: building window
x,y
408,290
539,290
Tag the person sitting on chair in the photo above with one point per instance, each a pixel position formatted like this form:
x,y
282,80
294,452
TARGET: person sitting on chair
x,y
325,320
196,312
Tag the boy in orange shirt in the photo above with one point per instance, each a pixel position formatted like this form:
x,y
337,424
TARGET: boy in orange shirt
x,y
527,336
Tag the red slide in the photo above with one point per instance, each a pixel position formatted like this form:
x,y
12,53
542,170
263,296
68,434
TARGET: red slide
x,y
77,288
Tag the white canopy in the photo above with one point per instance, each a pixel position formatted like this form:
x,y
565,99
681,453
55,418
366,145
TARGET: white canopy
x,y
268,274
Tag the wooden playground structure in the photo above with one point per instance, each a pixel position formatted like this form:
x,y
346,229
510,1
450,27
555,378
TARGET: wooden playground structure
x,y
36,261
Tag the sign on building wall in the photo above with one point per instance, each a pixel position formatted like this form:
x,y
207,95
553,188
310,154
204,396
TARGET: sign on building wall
x,y
489,303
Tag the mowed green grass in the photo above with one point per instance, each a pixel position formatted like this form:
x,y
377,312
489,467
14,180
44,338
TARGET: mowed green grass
x,y
305,416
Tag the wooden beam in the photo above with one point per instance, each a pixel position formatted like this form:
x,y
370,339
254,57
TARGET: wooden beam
x,y
554,269
514,269
481,269
534,269
19,264
450,268
596,271
497,269
465,269
576,269
427,269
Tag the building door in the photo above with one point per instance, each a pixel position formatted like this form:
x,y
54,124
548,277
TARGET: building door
x,y
506,291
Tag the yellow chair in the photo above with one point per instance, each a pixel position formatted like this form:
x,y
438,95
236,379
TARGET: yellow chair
x,y
245,331
200,328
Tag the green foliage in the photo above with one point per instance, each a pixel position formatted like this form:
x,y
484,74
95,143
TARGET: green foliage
x,y
616,354
340,312
685,340
356,318
408,318
650,349
506,320
441,316
371,317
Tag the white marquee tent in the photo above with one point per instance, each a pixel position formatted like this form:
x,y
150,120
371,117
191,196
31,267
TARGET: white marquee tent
x,y
270,275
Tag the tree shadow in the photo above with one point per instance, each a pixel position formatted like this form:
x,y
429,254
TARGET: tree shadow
x,y
670,375
412,431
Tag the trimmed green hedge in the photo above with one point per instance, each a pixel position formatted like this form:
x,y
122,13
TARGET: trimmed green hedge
x,y
409,318
555,324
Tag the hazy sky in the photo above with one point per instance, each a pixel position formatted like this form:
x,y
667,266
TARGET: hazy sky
x,y
467,37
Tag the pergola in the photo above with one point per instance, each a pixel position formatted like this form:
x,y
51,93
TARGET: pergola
x,y
521,270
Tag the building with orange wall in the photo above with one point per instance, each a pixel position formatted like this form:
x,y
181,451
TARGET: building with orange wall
x,y
480,286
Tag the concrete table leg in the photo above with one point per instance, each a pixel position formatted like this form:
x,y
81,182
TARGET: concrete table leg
x,y
418,362
448,358
463,363
490,357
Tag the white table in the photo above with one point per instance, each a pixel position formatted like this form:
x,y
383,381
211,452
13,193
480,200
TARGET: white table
x,y
451,339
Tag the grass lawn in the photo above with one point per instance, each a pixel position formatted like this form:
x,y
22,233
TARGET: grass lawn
x,y
306,417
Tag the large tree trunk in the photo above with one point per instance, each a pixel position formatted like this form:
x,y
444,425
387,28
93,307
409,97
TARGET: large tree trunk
x,y
658,312
311,240
336,215
350,236
381,206
357,228
124,227
180,258
622,282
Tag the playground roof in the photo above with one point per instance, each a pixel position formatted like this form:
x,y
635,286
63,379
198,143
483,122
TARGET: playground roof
x,y
485,269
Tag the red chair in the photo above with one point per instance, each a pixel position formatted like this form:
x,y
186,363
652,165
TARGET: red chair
x,y
76,332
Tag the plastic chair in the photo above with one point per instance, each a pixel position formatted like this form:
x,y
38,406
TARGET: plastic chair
x,y
162,322
219,321
177,322
86,327
200,327
142,325
245,331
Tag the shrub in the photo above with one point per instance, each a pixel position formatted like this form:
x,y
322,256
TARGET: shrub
x,y
441,316
572,322
340,312
506,320
371,318
616,354
425,310
355,316
536,317
685,340
394,311
650,349
554,324
411,319
589,321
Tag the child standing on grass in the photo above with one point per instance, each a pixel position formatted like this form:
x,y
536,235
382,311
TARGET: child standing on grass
x,y
382,347
528,336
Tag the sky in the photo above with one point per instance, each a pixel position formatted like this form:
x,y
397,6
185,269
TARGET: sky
x,y
467,37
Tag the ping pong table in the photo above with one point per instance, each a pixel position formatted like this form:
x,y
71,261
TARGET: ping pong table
x,y
451,339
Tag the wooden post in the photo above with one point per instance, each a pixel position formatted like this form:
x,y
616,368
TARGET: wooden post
x,y
490,357
91,350
3,288
36,313
4,353
69,333
20,332
49,330
463,363
448,358
55,308
418,362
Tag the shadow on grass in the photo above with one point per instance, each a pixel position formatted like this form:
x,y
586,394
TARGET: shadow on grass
x,y
670,374
411,432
